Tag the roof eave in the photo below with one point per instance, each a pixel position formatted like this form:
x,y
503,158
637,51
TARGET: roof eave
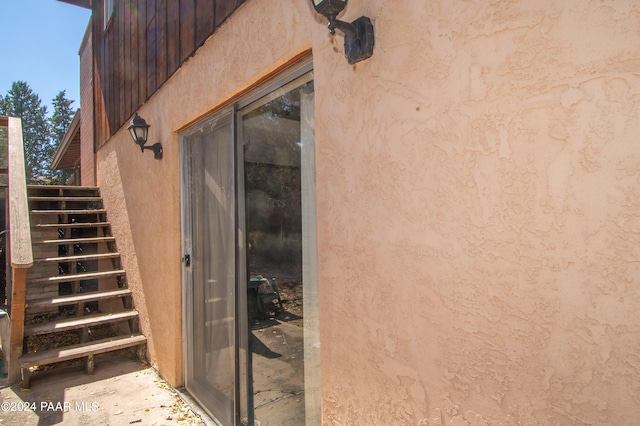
x,y
82,3
67,140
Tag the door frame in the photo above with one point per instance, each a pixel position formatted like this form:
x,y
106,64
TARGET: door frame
x,y
244,381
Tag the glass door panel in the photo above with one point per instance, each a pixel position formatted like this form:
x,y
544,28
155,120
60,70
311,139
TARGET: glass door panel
x,y
276,136
210,242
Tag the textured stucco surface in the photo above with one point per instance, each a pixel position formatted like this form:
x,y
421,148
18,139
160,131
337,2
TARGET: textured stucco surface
x,y
479,215
478,186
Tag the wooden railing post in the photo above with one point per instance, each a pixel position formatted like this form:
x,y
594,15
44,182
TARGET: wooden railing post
x,y
19,278
20,248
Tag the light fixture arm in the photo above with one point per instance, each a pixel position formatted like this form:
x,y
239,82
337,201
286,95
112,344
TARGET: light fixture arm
x,y
347,29
156,148
359,39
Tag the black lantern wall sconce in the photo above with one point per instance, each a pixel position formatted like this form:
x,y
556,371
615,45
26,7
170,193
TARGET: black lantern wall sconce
x,y
139,130
358,35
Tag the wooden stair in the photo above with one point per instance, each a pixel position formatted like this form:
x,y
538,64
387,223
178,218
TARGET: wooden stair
x,y
77,322
77,277
79,298
77,304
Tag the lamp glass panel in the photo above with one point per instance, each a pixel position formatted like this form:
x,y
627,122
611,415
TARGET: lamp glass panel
x,y
143,132
139,133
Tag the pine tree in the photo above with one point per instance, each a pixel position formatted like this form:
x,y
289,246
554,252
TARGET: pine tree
x,y
60,121
62,116
21,102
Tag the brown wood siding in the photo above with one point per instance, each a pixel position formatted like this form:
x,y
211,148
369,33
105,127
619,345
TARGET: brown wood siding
x,y
151,47
141,23
100,88
204,19
127,52
161,42
118,66
135,57
145,42
173,34
224,9
187,28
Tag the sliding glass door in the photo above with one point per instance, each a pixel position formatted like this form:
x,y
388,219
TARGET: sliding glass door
x,y
250,267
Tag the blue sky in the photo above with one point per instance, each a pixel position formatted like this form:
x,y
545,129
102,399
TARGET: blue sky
x,y
39,44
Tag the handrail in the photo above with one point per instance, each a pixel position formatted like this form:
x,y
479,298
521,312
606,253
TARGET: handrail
x,y
20,249
20,226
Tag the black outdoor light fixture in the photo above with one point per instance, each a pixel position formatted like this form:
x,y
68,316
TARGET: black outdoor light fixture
x,y
358,35
139,130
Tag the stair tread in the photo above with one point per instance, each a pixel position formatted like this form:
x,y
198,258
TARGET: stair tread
x,y
78,298
78,322
73,225
76,277
80,350
63,198
75,240
63,187
77,258
70,211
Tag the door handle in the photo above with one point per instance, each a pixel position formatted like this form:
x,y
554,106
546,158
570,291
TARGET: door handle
x,y
186,260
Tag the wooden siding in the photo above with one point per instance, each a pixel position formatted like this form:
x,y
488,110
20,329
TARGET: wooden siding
x,y
143,44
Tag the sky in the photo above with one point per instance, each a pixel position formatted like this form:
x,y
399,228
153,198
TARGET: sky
x,y
39,44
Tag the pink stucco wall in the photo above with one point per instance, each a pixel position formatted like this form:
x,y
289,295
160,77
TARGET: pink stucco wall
x,y
478,186
479,215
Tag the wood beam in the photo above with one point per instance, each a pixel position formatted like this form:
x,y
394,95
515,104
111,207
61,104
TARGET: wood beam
x,y
20,251
82,3
19,223
19,283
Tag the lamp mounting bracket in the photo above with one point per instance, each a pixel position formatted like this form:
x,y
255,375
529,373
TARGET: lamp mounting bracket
x,y
359,38
156,148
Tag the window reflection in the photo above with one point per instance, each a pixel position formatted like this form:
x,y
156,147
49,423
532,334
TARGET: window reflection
x,y
273,131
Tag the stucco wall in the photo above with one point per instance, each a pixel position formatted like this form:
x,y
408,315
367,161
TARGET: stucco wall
x,y
479,210
478,206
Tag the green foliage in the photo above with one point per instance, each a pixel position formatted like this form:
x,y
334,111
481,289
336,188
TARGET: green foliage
x,y
41,134
22,102
62,116
60,122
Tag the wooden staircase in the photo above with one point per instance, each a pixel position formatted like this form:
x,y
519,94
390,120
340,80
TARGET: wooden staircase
x,y
77,301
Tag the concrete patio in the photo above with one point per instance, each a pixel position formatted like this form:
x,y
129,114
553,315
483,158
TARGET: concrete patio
x,y
121,392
